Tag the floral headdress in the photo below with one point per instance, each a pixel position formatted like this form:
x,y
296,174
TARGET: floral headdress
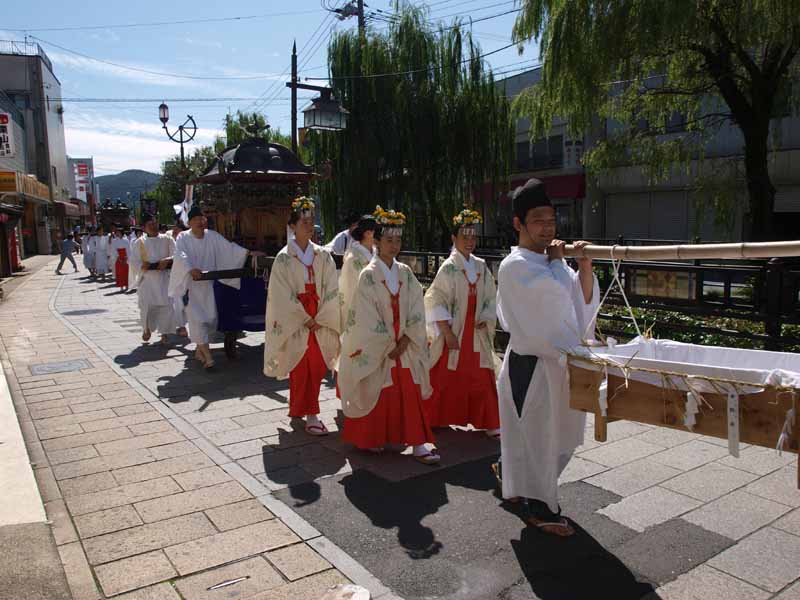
x,y
391,221
467,219
304,205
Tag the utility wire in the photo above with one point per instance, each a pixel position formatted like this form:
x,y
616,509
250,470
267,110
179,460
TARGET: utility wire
x,y
409,72
161,23
148,71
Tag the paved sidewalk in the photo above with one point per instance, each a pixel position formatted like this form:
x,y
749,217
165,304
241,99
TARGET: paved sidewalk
x,y
144,447
142,505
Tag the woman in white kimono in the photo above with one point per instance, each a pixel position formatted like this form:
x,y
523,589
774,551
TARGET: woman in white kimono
x,y
357,256
178,304
120,250
383,370
155,306
100,248
198,250
460,310
546,308
302,321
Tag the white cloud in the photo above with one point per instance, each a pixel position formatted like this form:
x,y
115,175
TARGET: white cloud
x,y
105,35
203,43
126,144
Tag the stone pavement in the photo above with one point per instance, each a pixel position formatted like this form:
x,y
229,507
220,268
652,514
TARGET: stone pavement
x,y
141,504
138,452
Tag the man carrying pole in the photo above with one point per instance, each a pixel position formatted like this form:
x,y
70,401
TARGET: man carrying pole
x,y
546,307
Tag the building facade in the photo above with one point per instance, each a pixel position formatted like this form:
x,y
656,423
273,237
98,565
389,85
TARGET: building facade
x,y
624,203
29,84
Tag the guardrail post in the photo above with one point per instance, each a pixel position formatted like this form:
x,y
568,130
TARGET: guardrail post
x,y
772,322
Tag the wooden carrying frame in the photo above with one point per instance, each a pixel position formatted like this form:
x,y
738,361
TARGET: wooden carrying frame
x,y
761,415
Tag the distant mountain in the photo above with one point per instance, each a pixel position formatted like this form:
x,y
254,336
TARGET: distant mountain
x,y
134,181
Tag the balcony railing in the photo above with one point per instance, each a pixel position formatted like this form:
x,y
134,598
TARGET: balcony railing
x,y
25,49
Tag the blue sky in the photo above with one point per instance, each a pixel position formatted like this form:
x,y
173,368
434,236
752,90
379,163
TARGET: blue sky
x,y
252,52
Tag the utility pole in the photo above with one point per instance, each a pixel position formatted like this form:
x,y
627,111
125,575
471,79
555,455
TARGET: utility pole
x,y
294,97
362,22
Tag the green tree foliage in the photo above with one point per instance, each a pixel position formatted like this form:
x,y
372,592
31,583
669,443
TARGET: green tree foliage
x,y
647,64
419,140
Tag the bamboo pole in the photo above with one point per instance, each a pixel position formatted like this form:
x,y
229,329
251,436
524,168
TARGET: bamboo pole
x,y
690,251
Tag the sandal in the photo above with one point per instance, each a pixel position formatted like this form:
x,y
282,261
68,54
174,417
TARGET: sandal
x,y
164,341
562,527
429,458
317,430
493,435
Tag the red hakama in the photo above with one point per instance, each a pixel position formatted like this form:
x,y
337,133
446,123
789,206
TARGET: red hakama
x,y
306,378
121,268
467,395
398,417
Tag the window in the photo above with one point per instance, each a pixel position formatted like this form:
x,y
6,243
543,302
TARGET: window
x,y
55,177
676,123
523,156
555,150
540,155
48,103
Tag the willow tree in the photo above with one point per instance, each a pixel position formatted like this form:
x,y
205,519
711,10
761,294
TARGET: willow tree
x,y
652,64
427,124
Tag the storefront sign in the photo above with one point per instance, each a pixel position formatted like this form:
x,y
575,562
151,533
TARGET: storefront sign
x,y
6,136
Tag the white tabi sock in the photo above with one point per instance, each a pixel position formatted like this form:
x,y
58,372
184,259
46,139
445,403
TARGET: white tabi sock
x,y
312,420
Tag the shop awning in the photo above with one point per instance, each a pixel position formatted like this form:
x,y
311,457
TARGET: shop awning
x,y
65,209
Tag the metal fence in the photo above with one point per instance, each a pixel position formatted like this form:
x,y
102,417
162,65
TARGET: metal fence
x,y
756,292
25,49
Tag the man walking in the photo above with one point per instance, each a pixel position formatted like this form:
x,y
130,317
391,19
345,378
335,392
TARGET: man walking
x,y
68,247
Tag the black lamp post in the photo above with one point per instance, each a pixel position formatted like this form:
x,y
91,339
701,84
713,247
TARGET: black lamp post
x,y
324,112
183,135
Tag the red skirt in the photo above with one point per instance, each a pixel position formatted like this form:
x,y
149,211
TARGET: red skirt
x,y
306,378
121,268
398,417
467,395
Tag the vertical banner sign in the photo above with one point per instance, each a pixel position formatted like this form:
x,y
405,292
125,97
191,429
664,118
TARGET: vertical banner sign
x,y
6,137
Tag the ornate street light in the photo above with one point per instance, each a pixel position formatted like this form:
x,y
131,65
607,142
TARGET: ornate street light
x,y
184,134
325,113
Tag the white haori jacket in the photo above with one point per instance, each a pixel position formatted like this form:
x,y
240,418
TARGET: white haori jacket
x,y
541,305
87,248
286,336
356,259
365,367
153,285
99,245
447,299
212,252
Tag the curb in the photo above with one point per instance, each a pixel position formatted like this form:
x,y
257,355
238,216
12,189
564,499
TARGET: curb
x,y
342,561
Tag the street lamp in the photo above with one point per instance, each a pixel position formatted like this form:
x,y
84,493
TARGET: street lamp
x,y
323,113
183,135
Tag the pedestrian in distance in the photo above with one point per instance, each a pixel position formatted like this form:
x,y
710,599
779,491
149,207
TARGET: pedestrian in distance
x,y
68,247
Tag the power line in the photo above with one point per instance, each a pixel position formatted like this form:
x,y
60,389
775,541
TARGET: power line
x,y
409,72
153,100
148,71
161,23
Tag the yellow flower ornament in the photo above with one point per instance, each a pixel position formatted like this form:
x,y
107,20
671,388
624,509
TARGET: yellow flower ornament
x,y
467,219
304,205
391,221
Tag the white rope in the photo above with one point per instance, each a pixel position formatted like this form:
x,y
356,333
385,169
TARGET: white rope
x,y
615,266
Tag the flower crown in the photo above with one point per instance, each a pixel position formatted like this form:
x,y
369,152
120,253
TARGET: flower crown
x,y
389,217
303,203
467,217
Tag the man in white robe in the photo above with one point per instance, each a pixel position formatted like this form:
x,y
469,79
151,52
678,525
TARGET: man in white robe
x,y
198,250
547,308
344,239
88,252
155,306
177,303
100,246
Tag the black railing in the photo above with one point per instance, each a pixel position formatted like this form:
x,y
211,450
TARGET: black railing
x,y
765,292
